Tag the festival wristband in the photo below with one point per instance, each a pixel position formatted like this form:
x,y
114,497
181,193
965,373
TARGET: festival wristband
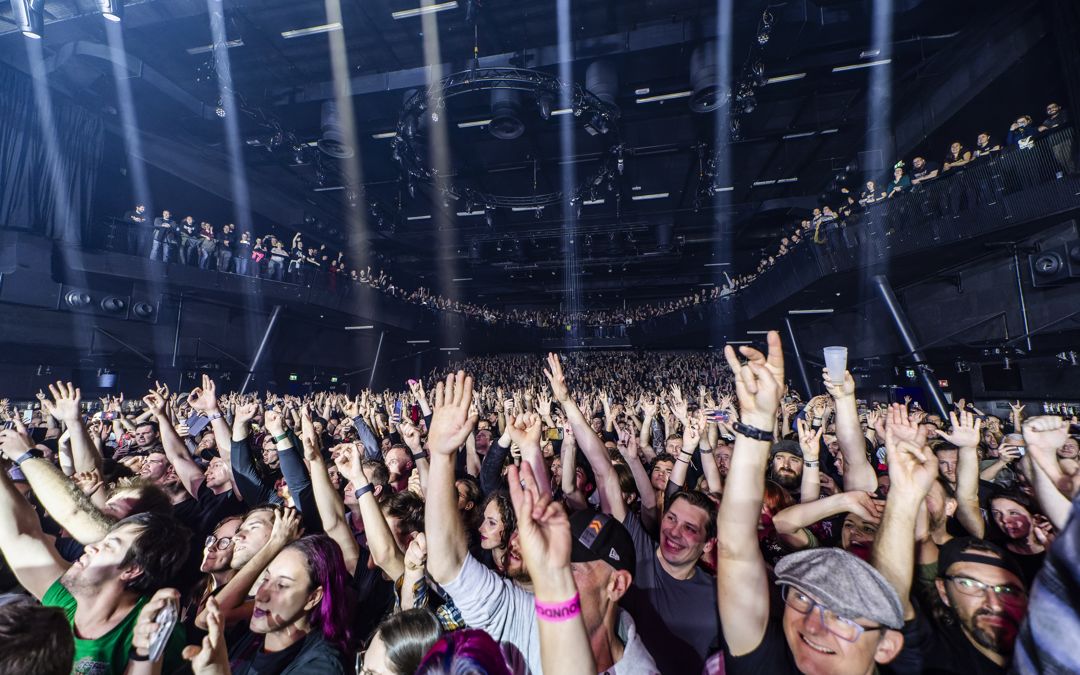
x,y
559,611
420,455
810,463
280,438
214,416
23,457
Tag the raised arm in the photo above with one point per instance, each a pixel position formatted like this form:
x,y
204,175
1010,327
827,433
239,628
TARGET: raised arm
x,y
913,468
1044,436
525,431
204,400
965,436
384,550
858,474
607,482
632,454
791,522
327,500
742,581
65,407
189,473
545,537
810,443
28,552
450,425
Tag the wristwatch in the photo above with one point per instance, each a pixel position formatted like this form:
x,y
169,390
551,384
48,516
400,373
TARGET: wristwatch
x,y
753,432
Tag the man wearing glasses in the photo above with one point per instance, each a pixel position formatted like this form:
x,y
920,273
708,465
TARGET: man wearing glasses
x,y
839,615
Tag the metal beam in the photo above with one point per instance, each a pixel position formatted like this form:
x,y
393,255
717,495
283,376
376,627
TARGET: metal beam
x,y
262,347
907,337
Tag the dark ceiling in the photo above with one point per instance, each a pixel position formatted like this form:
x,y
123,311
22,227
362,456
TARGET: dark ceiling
x,y
803,130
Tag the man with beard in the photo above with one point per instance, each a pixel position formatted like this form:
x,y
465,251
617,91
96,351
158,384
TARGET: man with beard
x,y
786,466
103,592
980,597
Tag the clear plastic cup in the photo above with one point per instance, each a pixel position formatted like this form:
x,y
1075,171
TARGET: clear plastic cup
x,y
836,362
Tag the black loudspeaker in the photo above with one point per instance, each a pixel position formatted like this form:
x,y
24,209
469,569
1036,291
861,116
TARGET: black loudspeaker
x,y
1049,267
1072,258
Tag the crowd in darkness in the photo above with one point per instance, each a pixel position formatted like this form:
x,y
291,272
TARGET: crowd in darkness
x,y
676,513
845,206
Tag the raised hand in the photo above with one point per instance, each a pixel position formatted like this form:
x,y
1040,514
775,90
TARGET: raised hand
x,y
245,412
65,405
759,383
212,658
809,440
451,422
902,427
556,378
88,482
543,526
965,430
842,386
145,627
1044,435
913,468
286,527
525,430
275,423
411,435
204,398
348,459
155,403
14,443
864,505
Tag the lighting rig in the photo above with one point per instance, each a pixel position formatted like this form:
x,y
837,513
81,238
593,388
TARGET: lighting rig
x,y
597,117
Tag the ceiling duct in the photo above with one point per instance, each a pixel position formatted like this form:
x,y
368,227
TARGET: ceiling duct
x,y
506,121
333,142
602,80
708,94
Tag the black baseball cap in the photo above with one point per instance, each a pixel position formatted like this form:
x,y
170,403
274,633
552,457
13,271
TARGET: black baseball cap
x,y
598,536
788,446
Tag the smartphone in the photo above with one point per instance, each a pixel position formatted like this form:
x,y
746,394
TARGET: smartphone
x,y
396,417
718,416
28,415
412,381
554,434
1074,429
1022,449
109,416
196,423
166,620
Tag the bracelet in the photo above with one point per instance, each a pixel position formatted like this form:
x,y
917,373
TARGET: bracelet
x,y
420,455
23,457
680,459
282,437
559,611
135,656
214,416
361,491
811,463
753,432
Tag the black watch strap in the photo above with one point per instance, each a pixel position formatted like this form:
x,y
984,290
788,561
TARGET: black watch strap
x,y
361,491
753,432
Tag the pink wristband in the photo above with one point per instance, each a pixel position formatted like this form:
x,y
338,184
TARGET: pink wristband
x,y
559,611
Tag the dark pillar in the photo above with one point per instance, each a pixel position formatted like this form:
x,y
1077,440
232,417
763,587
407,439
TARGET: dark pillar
x,y
808,391
907,336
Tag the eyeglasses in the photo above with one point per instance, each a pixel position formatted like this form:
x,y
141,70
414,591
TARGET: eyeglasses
x,y
841,627
969,586
220,544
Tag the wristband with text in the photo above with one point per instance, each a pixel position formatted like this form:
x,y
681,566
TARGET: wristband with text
x,y
280,438
23,457
753,432
214,416
361,491
420,455
810,463
558,611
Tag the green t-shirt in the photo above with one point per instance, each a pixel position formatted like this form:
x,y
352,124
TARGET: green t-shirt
x,y
108,654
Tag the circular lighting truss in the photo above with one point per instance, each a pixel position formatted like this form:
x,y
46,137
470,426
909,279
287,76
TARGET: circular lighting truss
x,y
598,119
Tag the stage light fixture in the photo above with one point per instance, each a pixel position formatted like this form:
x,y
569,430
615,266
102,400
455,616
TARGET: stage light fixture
x,y
112,10
29,16
77,299
113,304
220,109
142,310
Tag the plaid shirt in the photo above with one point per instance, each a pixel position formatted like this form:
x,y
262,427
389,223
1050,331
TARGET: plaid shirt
x,y
446,612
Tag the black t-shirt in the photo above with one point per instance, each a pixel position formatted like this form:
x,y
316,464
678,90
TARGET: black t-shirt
x,y
679,618
945,648
374,596
248,657
1057,120
136,218
927,169
204,512
773,656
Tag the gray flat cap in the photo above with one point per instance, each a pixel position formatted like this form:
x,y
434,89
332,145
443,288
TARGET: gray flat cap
x,y
843,584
